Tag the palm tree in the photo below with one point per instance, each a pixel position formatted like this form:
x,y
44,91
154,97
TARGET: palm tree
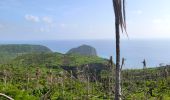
x,y
120,23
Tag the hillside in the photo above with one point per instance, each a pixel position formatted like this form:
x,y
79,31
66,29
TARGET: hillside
x,y
10,51
83,50
56,76
56,59
34,82
23,48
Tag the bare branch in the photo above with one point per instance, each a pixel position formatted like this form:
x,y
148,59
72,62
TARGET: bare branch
x,y
1,94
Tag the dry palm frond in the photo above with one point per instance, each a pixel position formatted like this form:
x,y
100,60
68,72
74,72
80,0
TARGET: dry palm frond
x,y
120,17
123,63
9,98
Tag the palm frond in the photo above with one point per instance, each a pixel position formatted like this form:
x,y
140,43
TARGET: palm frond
x,y
120,14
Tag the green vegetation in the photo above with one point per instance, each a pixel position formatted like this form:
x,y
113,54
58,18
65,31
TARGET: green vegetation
x,y
10,51
151,83
83,50
23,48
30,76
56,59
33,76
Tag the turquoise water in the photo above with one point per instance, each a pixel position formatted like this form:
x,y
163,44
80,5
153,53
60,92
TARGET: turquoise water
x,y
154,51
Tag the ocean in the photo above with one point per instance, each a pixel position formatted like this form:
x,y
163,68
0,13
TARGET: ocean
x,y
155,52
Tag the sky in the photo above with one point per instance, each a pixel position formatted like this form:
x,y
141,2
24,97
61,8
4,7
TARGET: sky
x,y
81,19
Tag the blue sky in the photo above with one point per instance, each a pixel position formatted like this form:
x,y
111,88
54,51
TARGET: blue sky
x,y
81,19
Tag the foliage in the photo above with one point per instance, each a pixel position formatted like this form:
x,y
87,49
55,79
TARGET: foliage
x,y
9,51
30,77
56,59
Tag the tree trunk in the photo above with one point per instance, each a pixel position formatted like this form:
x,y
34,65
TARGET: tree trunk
x,y
120,19
118,70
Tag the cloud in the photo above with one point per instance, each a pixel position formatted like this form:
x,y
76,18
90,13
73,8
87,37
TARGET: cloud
x,y
157,21
47,24
47,20
161,20
44,19
32,18
42,29
138,12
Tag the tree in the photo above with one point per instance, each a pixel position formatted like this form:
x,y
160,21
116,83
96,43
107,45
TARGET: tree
x,y
120,23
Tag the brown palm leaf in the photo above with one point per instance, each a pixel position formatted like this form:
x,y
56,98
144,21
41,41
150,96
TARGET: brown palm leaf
x,y
120,14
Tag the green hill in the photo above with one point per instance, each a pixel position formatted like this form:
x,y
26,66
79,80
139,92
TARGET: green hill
x,y
83,50
37,73
56,59
27,76
23,48
10,51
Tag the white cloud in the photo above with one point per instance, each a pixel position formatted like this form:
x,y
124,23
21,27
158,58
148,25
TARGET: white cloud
x,y
47,20
32,18
138,12
72,26
157,21
162,25
43,29
47,23
161,20
151,28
